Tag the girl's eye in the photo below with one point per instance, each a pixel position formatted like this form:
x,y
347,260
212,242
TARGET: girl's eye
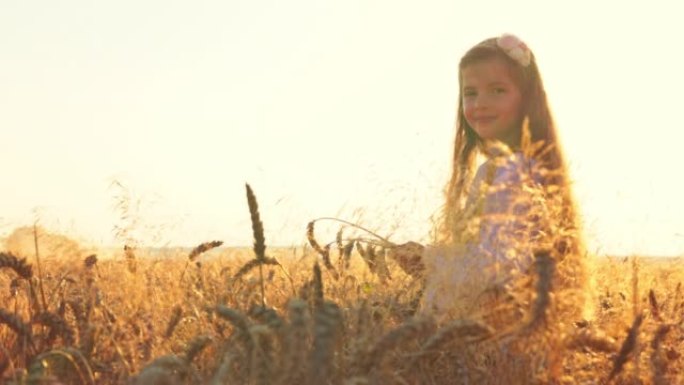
x,y
468,94
499,90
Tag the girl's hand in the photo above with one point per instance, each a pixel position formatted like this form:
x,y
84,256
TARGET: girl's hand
x,y
409,256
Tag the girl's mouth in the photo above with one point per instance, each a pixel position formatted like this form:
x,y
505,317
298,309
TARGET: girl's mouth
x,y
485,120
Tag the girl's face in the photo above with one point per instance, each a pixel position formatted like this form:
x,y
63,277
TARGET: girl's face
x,y
492,101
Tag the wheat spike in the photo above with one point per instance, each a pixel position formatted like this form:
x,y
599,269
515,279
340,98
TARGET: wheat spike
x,y
156,375
267,316
57,325
251,264
381,264
236,318
16,324
324,252
176,316
195,347
367,255
545,267
259,239
86,331
202,248
627,348
169,369
90,261
655,308
257,226
346,253
296,342
241,326
261,362
318,295
460,331
658,362
340,249
593,340
407,331
20,266
221,374
327,324
67,364
129,253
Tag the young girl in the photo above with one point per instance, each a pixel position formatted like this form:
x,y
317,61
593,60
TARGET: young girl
x,y
516,205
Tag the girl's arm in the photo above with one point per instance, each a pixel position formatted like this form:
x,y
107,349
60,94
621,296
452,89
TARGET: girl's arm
x,y
409,256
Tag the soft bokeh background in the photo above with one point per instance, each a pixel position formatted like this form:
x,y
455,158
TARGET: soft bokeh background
x,y
342,108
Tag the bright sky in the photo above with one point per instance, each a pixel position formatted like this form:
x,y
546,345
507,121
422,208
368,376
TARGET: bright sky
x,y
327,108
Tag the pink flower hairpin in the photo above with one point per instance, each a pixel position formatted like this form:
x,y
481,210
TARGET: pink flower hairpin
x,y
515,48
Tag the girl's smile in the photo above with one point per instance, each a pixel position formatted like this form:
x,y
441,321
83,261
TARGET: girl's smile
x,y
492,101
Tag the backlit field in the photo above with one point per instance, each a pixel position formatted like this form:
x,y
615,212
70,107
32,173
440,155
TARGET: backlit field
x,y
177,321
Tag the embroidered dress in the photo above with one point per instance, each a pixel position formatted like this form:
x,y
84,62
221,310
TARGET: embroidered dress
x,y
497,242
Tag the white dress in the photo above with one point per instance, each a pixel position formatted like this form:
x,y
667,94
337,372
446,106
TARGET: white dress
x,y
504,199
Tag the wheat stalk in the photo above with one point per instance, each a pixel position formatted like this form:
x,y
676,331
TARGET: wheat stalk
x,y
626,349
385,241
659,363
40,272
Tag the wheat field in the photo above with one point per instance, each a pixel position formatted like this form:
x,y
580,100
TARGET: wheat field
x,y
318,315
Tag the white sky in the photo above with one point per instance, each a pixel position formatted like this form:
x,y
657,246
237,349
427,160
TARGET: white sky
x,y
327,108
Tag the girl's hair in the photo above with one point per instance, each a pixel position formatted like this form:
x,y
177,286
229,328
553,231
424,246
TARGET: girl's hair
x,y
541,128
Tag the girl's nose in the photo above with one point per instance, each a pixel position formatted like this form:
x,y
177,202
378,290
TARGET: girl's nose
x,y
481,102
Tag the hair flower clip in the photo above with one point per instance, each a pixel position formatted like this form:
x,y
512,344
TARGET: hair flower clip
x,y
515,48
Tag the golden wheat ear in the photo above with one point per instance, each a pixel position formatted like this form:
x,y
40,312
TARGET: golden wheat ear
x,y
202,248
328,326
17,325
408,331
323,252
19,265
626,349
259,239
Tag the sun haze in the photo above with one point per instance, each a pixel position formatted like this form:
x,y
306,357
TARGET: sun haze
x,y
326,108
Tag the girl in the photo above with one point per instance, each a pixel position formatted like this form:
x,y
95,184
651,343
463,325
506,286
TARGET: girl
x,y
516,205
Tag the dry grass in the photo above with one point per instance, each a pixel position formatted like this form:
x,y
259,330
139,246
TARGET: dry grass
x,y
144,320
118,326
